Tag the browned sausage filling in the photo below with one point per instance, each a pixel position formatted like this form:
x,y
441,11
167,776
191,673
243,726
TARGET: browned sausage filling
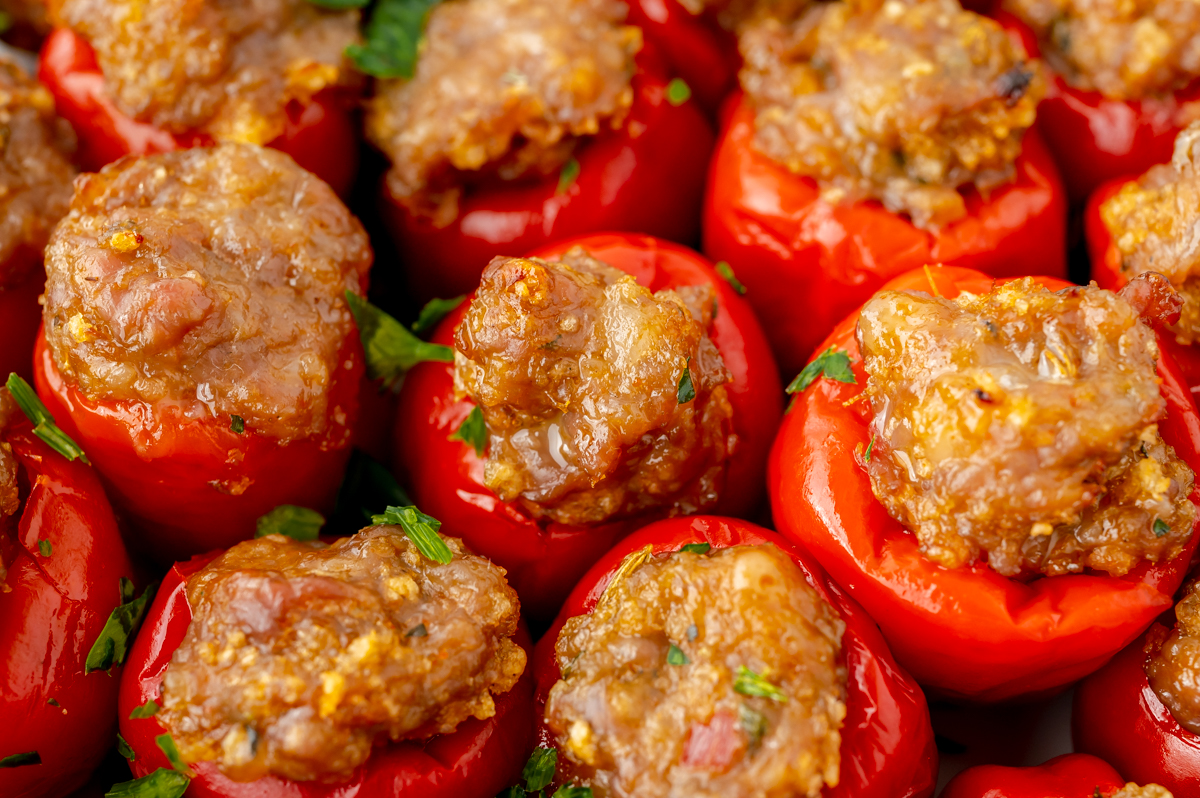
x,y
702,675
578,372
1021,425
904,101
1132,790
227,68
1153,222
1125,50
1173,670
503,88
208,282
35,172
301,657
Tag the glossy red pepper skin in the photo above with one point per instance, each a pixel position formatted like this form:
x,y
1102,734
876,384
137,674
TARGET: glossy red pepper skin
x,y
969,633
807,263
887,742
192,485
321,135
1067,776
20,318
1095,139
51,617
696,47
1106,271
647,177
1117,715
475,761
544,561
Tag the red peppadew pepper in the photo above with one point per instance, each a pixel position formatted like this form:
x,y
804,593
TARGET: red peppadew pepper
x,y
321,135
193,485
1107,272
696,46
545,560
1117,715
65,563
474,761
967,633
1067,776
647,177
807,263
887,748
1095,139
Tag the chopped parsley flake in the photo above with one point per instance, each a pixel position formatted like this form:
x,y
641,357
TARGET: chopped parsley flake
x,y
568,176
749,683
434,311
390,347
162,783
21,760
726,271
472,431
539,770
237,424
678,92
697,548
112,646
392,37
45,547
297,523
146,710
675,656
687,390
832,364
125,749
1161,527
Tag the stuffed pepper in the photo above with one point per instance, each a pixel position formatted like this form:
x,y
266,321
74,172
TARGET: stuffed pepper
x,y
1121,82
527,121
1142,711
67,607
872,138
389,663
707,656
1002,474
137,77
1068,776
35,189
612,380
197,340
1147,225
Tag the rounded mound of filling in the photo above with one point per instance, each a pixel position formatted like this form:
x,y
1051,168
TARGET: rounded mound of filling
x,y
904,101
1021,425
1153,222
601,399
35,171
1174,669
227,68
1125,50
702,675
503,88
210,282
301,657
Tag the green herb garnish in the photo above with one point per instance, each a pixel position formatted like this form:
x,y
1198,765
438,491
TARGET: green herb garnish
x,y
472,431
867,453
162,783
434,311
421,530
112,646
21,760
687,390
573,792
168,747
417,631
678,92
675,656
146,710
392,38
1161,527
747,682
726,271
391,349
43,423
125,749
753,723
539,770
697,548
833,364
568,176
53,702
297,523
237,424
45,547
